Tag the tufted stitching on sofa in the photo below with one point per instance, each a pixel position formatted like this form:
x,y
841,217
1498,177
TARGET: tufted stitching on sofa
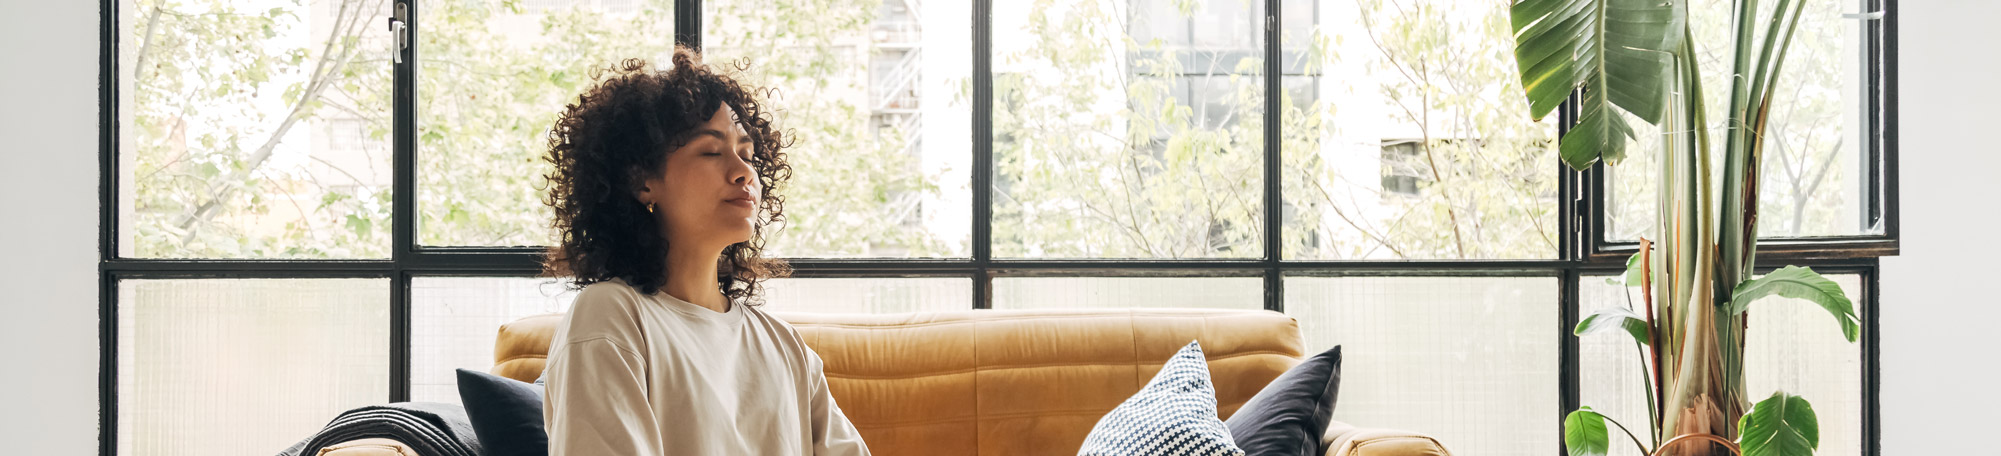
x,y
1132,329
1136,365
968,321
522,356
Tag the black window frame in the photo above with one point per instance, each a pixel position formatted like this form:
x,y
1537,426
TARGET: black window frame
x,y
1582,251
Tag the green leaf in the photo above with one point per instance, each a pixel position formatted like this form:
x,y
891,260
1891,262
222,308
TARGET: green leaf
x,y
1799,283
1635,272
1584,433
1782,425
361,226
1618,50
1614,317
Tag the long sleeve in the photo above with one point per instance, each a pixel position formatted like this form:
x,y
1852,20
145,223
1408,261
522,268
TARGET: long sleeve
x,y
597,402
833,434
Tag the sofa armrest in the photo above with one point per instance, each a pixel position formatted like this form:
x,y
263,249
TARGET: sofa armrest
x,y
367,447
1343,439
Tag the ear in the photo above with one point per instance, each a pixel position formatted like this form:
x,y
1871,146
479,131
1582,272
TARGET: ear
x,y
642,192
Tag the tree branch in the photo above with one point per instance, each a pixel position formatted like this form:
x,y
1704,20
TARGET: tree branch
x,y
345,26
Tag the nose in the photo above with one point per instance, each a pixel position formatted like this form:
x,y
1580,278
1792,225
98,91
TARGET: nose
x,y
741,172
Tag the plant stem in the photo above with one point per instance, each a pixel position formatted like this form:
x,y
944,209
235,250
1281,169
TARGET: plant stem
x,y
1653,349
1653,409
1629,434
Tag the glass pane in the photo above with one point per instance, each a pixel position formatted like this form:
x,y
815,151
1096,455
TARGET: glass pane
x,y
868,295
1407,136
1128,292
1792,346
253,129
453,322
1815,173
1470,360
874,97
492,78
1148,145
245,366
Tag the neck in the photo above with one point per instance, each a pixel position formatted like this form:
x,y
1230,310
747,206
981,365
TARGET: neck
x,y
691,276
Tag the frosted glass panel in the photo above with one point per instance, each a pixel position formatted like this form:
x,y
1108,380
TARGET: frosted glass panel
x,y
454,320
1610,374
1126,292
868,295
245,366
1469,360
1793,345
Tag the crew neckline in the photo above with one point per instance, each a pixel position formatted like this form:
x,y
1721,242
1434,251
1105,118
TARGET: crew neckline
x,y
690,309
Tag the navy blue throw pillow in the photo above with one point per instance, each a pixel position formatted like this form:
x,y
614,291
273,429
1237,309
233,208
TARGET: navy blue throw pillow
x,y
1288,416
506,414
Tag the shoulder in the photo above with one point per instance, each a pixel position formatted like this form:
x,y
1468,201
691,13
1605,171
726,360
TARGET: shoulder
x,y
613,290
779,329
606,309
776,325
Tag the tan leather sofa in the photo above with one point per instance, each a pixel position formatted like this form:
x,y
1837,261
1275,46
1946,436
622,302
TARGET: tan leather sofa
x,y
1007,382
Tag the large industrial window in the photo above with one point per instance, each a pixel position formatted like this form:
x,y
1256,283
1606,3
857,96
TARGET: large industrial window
x,y
314,205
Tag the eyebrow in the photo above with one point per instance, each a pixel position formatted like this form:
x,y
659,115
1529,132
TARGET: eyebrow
x,y
720,136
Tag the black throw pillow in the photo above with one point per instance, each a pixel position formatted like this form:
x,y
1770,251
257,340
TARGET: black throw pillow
x,y
1288,416
506,414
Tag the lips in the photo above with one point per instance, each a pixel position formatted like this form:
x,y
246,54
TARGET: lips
x,y
742,199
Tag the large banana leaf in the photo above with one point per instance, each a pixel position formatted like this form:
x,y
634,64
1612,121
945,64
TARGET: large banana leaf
x,y
1799,283
1614,317
1617,50
1584,433
1783,425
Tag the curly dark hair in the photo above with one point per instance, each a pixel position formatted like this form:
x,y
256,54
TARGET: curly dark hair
x,y
618,134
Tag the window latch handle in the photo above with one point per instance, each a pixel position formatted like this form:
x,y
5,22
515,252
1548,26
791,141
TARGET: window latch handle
x,y
400,30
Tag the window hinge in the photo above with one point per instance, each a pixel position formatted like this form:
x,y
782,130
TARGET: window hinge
x,y
400,30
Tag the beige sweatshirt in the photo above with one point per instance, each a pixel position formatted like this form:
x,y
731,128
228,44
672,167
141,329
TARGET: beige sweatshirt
x,y
633,374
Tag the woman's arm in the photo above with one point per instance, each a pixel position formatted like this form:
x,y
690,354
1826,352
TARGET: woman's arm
x,y
596,403
833,435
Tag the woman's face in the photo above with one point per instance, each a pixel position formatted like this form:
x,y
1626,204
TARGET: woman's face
x,y
707,194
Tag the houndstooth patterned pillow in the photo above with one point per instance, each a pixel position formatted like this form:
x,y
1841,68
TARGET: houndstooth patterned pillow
x,y
1174,415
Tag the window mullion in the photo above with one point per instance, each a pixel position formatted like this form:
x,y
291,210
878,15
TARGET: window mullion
x,y
1274,188
983,152
688,23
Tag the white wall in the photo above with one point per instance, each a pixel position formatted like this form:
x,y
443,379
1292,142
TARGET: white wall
x,y
1938,372
1939,306
48,226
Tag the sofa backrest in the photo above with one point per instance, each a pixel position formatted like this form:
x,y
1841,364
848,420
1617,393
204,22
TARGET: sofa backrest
x,y
996,382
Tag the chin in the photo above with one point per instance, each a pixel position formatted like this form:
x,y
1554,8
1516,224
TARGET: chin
x,y
739,235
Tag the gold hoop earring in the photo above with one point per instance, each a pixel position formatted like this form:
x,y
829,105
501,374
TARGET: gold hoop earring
x,y
649,208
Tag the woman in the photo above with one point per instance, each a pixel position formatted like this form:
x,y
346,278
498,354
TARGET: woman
x,y
663,185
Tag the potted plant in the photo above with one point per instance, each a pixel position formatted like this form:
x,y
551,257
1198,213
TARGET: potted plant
x,y
1634,57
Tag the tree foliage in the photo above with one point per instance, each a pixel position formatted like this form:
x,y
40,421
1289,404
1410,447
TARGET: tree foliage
x,y
1126,145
